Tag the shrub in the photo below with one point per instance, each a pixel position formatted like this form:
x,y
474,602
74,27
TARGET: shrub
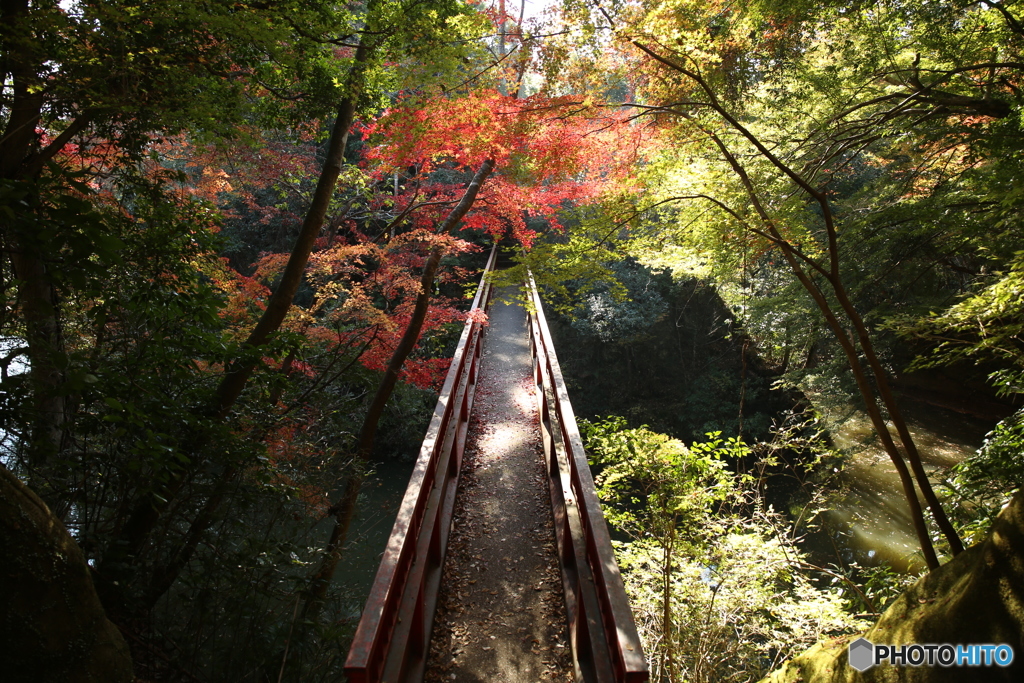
x,y
715,582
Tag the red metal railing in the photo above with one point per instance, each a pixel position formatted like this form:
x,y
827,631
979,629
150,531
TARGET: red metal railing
x,y
393,636
606,646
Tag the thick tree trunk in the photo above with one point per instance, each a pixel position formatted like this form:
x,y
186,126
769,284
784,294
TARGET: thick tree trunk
x,y
974,598
36,295
52,626
37,303
344,509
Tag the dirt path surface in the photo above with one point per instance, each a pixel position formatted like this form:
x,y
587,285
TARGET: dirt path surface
x,y
501,613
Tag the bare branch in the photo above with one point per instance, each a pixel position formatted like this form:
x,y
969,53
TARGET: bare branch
x,y
35,163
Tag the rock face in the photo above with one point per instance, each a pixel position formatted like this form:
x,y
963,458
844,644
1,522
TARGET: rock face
x,y
52,626
978,597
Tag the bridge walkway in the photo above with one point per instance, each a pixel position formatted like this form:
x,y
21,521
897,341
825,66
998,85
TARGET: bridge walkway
x,y
501,615
532,591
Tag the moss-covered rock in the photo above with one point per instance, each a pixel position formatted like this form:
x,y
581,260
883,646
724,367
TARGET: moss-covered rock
x,y
978,597
52,626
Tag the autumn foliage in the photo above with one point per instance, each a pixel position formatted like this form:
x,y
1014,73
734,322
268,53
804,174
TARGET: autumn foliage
x,y
550,153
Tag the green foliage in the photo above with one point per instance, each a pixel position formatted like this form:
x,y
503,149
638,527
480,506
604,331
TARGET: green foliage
x,y
140,318
717,587
562,266
739,609
902,114
982,485
880,585
657,486
621,319
987,325
984,326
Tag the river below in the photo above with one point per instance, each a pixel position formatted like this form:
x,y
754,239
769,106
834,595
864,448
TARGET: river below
x,y
867,514
379,500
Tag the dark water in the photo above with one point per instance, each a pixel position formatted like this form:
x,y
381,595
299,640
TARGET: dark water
x,y
379,500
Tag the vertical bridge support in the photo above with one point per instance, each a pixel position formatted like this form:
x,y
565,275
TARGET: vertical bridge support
x,y
605,643
392,639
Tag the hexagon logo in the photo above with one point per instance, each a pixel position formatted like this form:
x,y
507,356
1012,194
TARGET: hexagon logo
x,y
861,654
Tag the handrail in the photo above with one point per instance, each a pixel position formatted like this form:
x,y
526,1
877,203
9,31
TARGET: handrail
x,y
606,646
392,639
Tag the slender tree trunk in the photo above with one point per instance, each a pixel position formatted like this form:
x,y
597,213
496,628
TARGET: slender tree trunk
x,y
165,576
892,407
832,276
281,300
668,640
344,509
871,406
119,555
179,557
743,384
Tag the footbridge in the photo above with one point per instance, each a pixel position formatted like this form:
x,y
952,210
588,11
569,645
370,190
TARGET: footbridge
x,y
499,566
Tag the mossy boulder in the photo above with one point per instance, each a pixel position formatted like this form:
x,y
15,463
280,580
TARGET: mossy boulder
x,y
52,626
977,597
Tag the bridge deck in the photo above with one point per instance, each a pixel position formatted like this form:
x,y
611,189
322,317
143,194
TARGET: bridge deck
x,y
533,592
501,614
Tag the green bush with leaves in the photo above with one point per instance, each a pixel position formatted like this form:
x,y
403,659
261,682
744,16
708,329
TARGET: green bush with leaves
x,y
983,484
713,576
984,327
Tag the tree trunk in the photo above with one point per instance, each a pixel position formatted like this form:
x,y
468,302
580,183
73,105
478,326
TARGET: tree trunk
x,y
896,416
281,300
874,414
37,301
832,275
344,509
180,555
36,295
